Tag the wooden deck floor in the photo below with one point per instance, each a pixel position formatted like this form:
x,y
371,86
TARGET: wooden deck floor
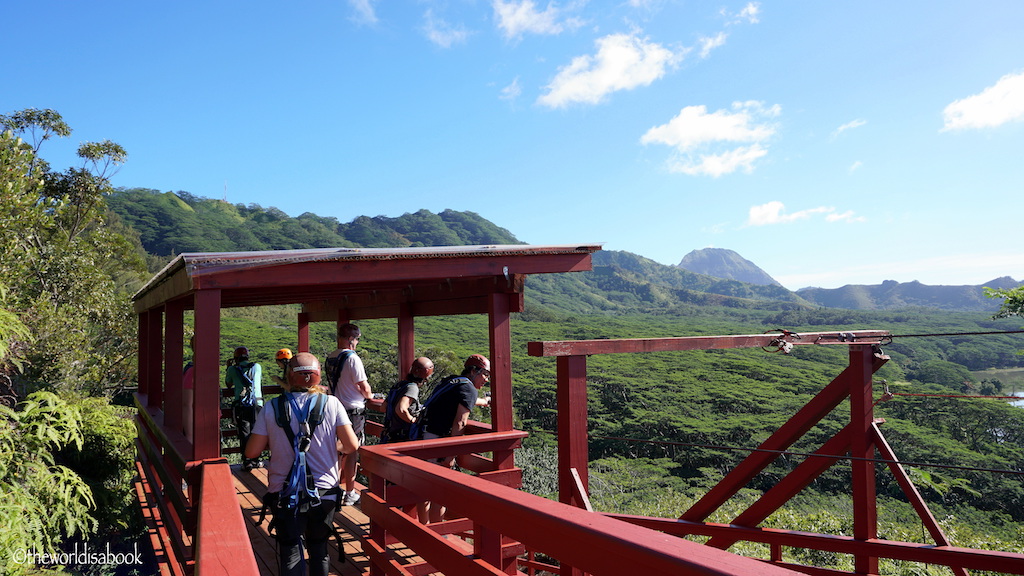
x,y
352,525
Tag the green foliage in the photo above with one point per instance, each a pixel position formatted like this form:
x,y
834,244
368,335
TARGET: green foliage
x,y
44,502
105,462
1013,301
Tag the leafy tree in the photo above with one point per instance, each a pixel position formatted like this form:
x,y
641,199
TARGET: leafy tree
x,y
1013,301
69,273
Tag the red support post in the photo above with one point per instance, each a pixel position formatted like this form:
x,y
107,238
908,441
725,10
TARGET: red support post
x,y
207,375
173,364
343,318
572,427
500,333
303,333
155,359
406,339
142,360
862,453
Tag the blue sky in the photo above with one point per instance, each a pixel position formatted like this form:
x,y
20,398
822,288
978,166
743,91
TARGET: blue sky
x,y
830,143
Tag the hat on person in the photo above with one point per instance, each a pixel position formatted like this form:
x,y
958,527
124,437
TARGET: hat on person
x,y
283,354
478,361
241,352
304,362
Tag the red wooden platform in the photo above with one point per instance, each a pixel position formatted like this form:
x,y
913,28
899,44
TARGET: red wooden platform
x,y
210,528
351,523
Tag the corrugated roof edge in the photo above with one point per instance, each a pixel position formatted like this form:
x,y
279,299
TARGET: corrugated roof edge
x,y
201,263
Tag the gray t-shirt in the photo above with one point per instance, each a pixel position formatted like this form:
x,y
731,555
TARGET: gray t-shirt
x,y
322,458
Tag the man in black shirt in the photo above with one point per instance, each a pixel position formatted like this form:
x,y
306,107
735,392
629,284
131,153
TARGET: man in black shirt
x,y
448,408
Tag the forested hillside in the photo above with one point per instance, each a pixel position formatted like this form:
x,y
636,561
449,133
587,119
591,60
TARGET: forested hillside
x,y
172,223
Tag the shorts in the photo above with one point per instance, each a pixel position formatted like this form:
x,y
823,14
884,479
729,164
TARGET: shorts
x,y
358,418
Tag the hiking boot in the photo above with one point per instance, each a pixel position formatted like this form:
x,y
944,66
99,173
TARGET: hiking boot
x,y
351,498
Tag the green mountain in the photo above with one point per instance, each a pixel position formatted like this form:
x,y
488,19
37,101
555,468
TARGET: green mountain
x,y
170,223
723,263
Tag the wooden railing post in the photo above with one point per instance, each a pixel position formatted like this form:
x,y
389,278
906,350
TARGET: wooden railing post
x,y
573,449
572,428
862,452
206,421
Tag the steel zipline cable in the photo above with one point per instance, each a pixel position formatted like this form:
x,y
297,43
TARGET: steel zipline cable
x,y
812,455
990,333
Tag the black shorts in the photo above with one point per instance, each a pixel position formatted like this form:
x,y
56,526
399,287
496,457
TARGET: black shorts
x,y
358,418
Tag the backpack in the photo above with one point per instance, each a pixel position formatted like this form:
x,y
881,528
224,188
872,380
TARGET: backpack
x,y
299,493
420,425
391,431
252,393
333,366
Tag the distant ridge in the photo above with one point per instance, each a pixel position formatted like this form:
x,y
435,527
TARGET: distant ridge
x,y
892,294
723,263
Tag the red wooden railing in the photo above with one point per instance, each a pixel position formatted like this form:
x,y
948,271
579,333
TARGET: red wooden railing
x,y
196,525
497,523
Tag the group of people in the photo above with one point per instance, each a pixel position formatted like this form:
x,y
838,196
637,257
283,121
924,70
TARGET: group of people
x,y
333,439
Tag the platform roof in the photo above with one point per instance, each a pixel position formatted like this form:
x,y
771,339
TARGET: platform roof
x,y
366,282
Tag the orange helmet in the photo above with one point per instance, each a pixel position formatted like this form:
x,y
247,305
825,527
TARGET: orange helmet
x,y
283,354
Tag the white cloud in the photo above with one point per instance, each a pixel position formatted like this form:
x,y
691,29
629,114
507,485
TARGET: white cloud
x,y
855,166
441,32
774,212
518,18
708,44
719,164
512,91
718,143
622,62
994,106
847,216
749,14
848,126
364,11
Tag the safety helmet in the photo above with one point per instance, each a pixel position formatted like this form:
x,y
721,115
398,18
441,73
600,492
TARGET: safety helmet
x,y
478,361
241,352
283,354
